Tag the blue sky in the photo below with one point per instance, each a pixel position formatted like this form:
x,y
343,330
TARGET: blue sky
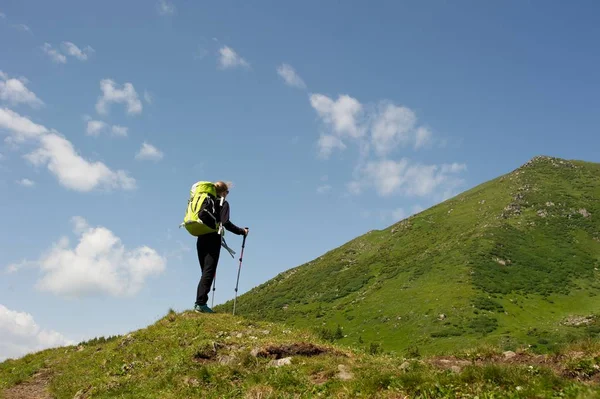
x,y
331,119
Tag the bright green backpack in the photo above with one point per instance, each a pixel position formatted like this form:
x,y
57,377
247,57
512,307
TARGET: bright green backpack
x,y
201,212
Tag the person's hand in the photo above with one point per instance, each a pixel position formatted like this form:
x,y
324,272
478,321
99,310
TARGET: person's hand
x,y
246,231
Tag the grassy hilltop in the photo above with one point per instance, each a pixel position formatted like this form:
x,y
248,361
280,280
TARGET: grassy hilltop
x,y
512,261
185,355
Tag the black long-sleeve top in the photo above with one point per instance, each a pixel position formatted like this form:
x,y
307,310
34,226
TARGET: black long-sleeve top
x,y
224,214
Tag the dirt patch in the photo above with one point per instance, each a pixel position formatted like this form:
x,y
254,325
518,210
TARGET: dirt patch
x,y
296,349
207,352
320,378
202,356
34,388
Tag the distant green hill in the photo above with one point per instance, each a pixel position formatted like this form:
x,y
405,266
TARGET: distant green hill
x,y
512,261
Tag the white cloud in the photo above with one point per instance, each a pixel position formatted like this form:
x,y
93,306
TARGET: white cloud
x,y
149,152
354,187
80,225
15,92
454,168
14,267
290,76
343,115
2,15
23,28
99,264
201,53
120,131
54,54
179,251
322,189
378,130
327,143
74,51
58,154
94,128
72,170
165,8
20,335
392,125
148,97
20,127
26,183
423,137
69,49
383,127
228,58
112,94
389,177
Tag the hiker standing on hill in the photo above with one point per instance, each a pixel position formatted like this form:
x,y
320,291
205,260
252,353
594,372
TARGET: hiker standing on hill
x,y
209,248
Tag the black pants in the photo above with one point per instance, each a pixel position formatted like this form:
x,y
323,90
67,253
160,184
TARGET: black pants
x,y
209,248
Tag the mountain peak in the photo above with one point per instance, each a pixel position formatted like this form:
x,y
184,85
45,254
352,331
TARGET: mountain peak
x,y
547,160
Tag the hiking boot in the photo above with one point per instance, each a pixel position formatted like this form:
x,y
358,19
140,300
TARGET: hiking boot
x,y
202,309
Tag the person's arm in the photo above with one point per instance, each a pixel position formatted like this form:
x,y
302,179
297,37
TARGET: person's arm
x,y
227,223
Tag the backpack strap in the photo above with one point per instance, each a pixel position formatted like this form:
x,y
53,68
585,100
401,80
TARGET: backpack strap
x,y
224,245
221,230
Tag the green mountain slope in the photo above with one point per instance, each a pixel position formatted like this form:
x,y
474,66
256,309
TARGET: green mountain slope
x,y
512,261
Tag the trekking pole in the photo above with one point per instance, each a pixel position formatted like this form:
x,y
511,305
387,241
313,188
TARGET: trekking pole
x,y
238,275
212,304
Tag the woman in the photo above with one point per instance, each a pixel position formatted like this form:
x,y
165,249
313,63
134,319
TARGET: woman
x,y
208,247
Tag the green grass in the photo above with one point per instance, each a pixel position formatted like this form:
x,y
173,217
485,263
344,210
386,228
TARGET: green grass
x,y
509,255
221,356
